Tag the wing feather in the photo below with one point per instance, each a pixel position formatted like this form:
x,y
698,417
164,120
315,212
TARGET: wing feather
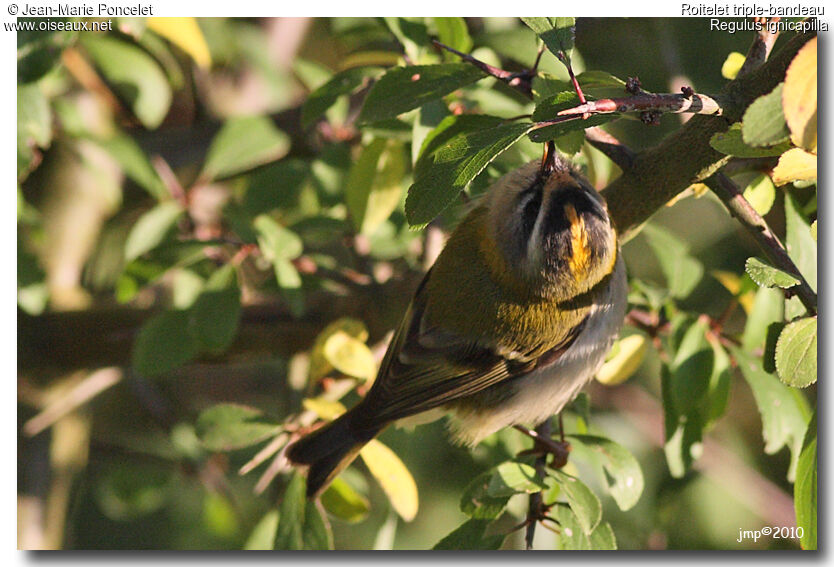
x,y
426,367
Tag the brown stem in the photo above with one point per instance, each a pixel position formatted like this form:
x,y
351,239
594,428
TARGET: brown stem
x,y
522,82
739,207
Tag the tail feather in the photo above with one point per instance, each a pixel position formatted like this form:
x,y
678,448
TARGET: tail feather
x,y
328,451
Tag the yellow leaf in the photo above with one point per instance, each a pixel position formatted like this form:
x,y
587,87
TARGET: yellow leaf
x,y
319,365
350,356
799,97
630,353
325,409
185,34
795,165
393,477
732,65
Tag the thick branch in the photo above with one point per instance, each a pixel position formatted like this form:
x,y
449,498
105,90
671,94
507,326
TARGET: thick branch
x,y
685,156
739,207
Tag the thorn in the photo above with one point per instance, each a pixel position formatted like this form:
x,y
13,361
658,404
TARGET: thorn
x,y
633,85
651,117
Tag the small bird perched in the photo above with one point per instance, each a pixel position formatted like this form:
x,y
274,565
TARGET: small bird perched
x,y
514,318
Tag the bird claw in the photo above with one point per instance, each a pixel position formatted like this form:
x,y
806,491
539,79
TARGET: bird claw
x,y
560,450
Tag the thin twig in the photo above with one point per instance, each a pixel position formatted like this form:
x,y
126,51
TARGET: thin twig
x,y
82,393
522,81
739,207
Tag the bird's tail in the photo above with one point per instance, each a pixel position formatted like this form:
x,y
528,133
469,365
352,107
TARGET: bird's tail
x,y
328,451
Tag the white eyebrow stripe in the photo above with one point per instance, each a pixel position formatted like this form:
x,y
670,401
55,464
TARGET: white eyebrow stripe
x,y
534,251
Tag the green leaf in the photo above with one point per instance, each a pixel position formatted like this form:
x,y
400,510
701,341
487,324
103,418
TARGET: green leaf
x,y
444,173
276,186
814,230
275,241
412,33
405,88
764,123
682,271
164,343
476,501
127,491
216,313
796,353
290,534
624,478
692,368
135,163
373,188
784,411
766,275
760,193
242,144
682,432
557,33
262,537
719,384
471,536
802,249
39,51
316,533
732,143
449,128
340,84
34,125
453,32
341,500
548,109
571,143
133,74
513,478
582,500
572,537
805,488
151,229
226,427
768,307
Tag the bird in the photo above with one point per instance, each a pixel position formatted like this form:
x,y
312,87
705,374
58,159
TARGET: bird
x,y
515,316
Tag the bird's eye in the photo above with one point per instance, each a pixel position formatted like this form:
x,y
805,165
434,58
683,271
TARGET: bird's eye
x,y
529,204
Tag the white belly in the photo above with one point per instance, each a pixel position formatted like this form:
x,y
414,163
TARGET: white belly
x,y
544,392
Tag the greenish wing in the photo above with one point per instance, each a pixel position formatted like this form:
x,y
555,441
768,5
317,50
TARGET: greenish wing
x,y
426,368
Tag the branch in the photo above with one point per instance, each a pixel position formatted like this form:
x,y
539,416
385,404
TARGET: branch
x,y
648,102
520,81
739,207
760,48
684,157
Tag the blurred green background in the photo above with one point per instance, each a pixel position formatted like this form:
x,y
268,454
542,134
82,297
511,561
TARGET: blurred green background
x,y
122,468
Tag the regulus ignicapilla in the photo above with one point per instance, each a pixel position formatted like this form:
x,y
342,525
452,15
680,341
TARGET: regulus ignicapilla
x,y
515,316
